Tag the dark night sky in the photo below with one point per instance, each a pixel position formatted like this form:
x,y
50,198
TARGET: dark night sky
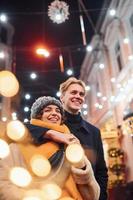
x,y
33,27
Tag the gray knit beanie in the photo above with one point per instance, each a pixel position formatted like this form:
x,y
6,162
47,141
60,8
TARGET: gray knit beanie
x,y
42,102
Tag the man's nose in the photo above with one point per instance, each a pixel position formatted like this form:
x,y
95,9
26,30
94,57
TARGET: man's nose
x,y
78,95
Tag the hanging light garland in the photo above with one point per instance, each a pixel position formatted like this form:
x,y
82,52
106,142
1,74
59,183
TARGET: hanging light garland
x,y
58,11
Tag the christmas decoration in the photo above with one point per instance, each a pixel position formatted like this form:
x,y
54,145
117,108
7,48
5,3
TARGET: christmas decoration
x,y
115,152
128,124
58,11
117,168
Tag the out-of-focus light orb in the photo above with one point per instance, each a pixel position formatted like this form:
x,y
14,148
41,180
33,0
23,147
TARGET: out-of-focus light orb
x,y
4,149
26,120
87,88
89,48
66,198
34,194
40,165
43,52
126,40
4,119
27,96
16,130
9,85
112,12
85,105
58,94
75,154
20,176
2,55
52,191
101,66
85,112
26,109
69,72
33,75
3,18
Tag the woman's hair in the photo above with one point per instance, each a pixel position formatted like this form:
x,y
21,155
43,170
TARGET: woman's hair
x,y
72,80
41,103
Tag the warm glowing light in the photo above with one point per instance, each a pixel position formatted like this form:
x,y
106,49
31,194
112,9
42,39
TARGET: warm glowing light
x,y
4,119
34,195
61,62
43,52
40,165
4,149
20,176
16,130
66,198
52,191
71,151
9,85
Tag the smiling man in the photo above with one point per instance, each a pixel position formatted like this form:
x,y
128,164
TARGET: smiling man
x,y
72,98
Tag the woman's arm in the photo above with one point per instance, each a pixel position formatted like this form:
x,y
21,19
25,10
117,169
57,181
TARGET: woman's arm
x,y
61,138
9,191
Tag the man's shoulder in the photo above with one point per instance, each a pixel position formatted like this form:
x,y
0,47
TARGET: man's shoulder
x,y
90,126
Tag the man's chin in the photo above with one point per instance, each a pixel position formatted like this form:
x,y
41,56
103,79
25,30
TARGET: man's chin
x,y
75,110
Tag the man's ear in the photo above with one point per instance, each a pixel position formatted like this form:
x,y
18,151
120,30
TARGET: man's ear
x,y
61,99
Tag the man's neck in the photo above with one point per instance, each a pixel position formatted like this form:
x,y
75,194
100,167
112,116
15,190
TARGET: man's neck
x,y
72,112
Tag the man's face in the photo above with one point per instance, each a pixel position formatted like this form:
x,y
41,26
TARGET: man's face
x,y
73,98
52,114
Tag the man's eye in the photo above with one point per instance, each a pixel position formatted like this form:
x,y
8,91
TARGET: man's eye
x,y
82,94
74,92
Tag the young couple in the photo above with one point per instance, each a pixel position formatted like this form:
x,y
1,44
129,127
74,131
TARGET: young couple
x,y
49,128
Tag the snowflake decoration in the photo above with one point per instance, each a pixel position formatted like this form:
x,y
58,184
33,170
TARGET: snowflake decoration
x,y
58,11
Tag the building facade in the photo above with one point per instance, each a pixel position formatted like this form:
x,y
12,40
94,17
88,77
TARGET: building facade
x,y
109,73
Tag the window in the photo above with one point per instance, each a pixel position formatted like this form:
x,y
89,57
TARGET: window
x,y
131,21
3,35
118,56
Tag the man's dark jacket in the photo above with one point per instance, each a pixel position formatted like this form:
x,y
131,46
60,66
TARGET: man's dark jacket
x,y
90,139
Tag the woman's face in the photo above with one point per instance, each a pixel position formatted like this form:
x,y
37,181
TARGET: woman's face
x,y
51,113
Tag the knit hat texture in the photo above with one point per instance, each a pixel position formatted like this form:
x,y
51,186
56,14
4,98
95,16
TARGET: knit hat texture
x,y
42,102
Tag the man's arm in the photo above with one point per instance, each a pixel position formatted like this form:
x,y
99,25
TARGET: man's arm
x,y
101,170
86,182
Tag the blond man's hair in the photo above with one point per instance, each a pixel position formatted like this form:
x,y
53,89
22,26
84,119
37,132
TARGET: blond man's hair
x,y
72,80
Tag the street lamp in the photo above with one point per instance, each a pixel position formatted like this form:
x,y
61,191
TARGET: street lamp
x,y
43,52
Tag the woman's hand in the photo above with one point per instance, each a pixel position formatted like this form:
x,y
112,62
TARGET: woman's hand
x,y
61,138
